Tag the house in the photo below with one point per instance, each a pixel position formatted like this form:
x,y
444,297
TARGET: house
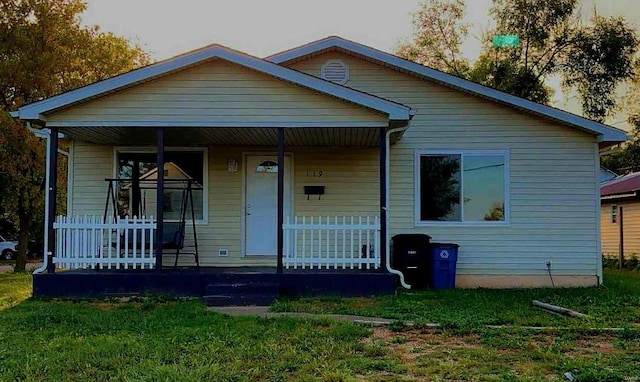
x,y
620,215
312,159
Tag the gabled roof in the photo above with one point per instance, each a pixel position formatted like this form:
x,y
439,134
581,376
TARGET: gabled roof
x,y
627,184
37,110
605,133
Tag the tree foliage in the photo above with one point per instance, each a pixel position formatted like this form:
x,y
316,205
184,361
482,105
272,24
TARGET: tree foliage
x,y
495,213
601,57
439,33
592,59
625,159
44,50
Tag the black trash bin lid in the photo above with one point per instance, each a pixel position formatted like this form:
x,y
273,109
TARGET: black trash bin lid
x,y
445,245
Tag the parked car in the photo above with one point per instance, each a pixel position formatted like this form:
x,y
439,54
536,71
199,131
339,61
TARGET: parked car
x,y
8,249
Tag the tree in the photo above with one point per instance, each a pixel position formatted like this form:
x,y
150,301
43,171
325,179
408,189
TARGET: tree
x,y
592,59
506,75
600,58
495,213
44,50
626,159
22,178
439,31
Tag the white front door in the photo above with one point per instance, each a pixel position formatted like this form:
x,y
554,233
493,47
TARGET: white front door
x,y
261,203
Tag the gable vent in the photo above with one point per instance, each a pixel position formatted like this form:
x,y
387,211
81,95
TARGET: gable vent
x,y
335,71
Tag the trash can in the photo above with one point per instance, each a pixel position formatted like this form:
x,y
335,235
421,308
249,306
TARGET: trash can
x,y
411,257
444,257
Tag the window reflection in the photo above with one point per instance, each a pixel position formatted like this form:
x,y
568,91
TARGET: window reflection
x,y
440,187
267,167
179,167
483,178
471,194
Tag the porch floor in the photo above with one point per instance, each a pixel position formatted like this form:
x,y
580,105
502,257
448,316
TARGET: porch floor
x,y
198,282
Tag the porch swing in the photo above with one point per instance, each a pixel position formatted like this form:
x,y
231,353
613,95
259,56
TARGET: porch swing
x,y
173,232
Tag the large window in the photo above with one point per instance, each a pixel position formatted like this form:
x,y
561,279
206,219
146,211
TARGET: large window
x,y
181,167
463,187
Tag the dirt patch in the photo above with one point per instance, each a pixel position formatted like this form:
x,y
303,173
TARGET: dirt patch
x,y
599,344
411,344
362,303
107,305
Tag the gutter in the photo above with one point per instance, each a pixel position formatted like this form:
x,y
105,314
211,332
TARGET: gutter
x,y
388,241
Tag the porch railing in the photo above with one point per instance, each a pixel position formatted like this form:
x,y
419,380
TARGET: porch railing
x,y
332,242
95,242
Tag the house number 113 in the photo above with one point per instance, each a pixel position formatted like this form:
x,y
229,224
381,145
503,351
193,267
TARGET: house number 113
x,y
314,174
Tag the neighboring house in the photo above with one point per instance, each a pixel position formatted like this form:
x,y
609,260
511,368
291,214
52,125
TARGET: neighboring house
x,y
622,192
317,156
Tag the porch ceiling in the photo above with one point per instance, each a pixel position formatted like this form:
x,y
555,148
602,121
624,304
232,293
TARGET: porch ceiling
x,y
317,136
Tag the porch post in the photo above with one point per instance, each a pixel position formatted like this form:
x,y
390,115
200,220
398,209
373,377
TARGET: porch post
x,y
135,188
280,199
382,144
53,191
159,196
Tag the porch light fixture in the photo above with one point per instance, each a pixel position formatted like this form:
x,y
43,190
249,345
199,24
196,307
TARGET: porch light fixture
x,y
232,166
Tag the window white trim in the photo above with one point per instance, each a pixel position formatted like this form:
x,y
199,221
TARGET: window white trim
x,y
614,213
462,153
152,149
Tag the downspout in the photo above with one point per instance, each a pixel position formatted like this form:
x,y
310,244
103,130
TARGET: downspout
x,y
598,220
388,241
45,134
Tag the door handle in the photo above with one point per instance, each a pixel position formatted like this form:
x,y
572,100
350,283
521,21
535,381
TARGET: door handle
x,y
248,209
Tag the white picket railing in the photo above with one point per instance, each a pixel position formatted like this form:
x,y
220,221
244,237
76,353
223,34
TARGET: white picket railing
x,y
95,242
332,242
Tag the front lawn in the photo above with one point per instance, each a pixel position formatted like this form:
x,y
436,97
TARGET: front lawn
x,y
14,288
182,341
616,304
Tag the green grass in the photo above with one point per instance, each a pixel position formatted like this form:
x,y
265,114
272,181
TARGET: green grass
x,y
14,288
159,340
616,304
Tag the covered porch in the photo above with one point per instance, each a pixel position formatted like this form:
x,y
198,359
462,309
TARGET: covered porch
x,y
316,250
320,210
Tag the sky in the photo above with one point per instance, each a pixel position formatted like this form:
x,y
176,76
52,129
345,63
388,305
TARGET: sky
x,y
166,28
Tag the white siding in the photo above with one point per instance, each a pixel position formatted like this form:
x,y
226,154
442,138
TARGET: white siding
x,y
91,165
350,177
217,92
552,185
